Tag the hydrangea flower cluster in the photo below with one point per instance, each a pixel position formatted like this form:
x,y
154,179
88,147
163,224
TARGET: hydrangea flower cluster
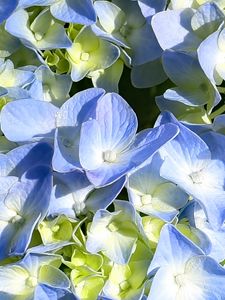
x,y
96,204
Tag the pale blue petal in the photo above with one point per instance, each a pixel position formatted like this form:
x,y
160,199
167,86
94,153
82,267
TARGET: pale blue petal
x,y
110,16
28,3
208,54
173,29
80,11
17,25
9,44
50,87
117,121
24,157
72,114
189,97
184,70
54,38
50,248
91,145
40,120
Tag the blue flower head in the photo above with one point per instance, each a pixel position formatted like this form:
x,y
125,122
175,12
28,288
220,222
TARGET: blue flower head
x,y
183,271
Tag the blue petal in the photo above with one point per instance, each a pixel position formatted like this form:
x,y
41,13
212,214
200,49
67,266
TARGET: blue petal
x,y
173,29
37,187
6,9
144,45
91,145
73,112
34,191
80,11
29,3
193,85
103,197
189,155
44,292
150,7
24,157
216,144
149,74
208,54
70,191
40,120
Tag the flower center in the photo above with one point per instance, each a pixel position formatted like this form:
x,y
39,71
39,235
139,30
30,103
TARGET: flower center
x,y
197,177
113,227
109,156
146,199
84,56
124,285
55,228
38,36
17,219
180,279
31,281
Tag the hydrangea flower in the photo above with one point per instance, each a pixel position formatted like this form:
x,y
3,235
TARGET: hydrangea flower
x,y
127,281
213,64
49,86
74,195
41,33
112,140
182,271
193,87
22,207
115,234
188,162
198,220
67,150
87,52
123,23
153,195
13,78
35,276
